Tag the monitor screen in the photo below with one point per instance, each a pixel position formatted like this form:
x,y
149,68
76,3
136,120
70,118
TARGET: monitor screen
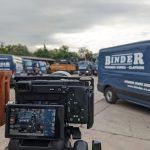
x,y
29,121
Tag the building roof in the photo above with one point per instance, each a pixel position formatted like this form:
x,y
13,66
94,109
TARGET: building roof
x,y
38,58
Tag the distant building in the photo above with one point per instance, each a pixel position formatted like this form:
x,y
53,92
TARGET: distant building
x,y
49,60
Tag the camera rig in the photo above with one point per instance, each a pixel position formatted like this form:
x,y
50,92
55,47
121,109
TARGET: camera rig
x,y
44,108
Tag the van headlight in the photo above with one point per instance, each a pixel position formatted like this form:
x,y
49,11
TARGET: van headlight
x,y
87,71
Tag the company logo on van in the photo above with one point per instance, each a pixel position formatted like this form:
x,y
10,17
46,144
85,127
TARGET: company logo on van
x,y
4,66
125,61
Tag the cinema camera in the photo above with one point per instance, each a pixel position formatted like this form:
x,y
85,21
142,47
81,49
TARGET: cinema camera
x,y
43,110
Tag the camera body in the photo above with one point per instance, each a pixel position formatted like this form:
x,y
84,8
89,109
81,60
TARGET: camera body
x,y
75,95
45,106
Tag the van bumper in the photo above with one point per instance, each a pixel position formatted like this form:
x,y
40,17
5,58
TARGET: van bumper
x,y
100,87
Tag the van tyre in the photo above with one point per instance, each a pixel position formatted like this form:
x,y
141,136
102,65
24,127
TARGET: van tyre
x,y
110,95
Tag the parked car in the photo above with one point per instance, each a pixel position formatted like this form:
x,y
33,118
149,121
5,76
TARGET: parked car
x,y
63,65
124,73
85,67
94,68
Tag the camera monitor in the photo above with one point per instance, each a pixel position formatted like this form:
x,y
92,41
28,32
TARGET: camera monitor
x,y
34,121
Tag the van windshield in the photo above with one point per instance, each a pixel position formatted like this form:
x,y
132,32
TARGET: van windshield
x,y
28,62
83,63
42,65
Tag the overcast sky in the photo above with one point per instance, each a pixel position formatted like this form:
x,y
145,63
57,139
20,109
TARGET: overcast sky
x,y
93,24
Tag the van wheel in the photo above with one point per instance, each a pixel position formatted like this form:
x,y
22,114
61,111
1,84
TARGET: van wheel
x,y
110,95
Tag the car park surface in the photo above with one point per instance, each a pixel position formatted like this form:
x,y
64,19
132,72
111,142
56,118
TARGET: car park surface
x,y
123,126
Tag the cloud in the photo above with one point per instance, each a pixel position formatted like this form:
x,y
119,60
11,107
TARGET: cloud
x,y
104,36
34,22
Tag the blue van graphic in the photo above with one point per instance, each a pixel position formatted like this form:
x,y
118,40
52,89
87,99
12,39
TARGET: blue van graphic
x,y
124,73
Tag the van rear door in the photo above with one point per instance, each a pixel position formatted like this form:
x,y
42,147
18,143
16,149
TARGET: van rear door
x,y
6,62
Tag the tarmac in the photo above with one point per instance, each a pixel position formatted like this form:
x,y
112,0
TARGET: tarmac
x,y
121,126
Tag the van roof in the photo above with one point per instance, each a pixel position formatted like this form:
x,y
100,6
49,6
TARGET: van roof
x,y
141,43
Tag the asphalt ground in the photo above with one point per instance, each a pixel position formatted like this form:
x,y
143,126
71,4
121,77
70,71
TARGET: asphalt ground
x,y
123,126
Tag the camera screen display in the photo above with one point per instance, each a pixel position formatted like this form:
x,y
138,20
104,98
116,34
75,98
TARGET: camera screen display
x,y
32,121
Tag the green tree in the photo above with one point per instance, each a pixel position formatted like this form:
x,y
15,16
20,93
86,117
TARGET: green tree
x,y
19,49
14,49
89,56
3,50
63,52
60,53
86,54
42,52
